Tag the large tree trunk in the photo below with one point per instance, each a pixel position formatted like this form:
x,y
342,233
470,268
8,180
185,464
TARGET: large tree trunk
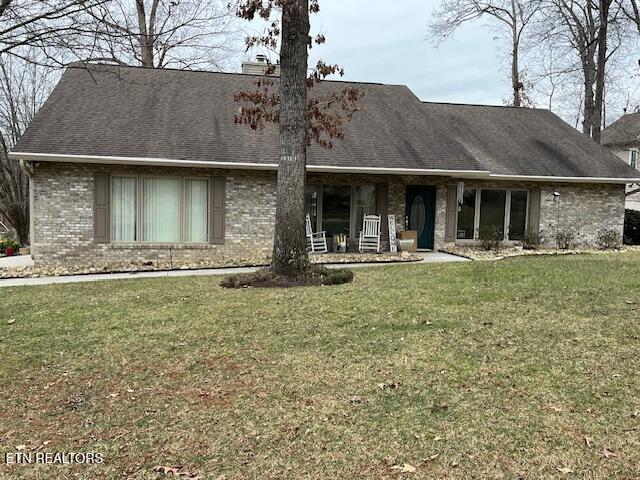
x,y
515,69
600,73
515,77
589,72
289,245
145,37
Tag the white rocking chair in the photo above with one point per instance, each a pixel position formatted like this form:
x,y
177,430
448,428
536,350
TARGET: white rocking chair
x,y
370,234
316,242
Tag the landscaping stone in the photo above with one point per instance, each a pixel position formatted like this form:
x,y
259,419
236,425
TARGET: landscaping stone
x,y
140,266
478,254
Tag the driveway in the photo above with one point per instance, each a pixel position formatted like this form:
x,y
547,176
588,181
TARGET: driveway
x,y
427,257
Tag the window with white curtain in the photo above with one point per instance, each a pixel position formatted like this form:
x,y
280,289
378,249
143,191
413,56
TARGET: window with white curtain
x,y
161,210
196,194
170,210
123,209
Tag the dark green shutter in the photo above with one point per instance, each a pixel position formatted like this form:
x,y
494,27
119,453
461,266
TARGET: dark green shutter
x,y
382,209
101,191
452,213
534,210
218,196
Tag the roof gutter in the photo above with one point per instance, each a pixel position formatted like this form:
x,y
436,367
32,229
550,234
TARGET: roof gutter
x,y
163,162
552,179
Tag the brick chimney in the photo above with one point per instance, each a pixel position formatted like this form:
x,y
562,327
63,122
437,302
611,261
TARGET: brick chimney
x,y
259,66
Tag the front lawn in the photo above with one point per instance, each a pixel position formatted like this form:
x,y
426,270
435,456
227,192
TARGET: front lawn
x,y
524,368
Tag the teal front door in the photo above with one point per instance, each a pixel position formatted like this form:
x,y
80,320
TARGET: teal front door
x,y
421,213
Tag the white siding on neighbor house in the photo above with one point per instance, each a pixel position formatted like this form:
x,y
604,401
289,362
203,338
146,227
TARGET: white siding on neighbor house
x,y
621,154
632,202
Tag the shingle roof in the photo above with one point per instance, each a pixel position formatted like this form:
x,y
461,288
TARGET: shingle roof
x,y
623,132
187,115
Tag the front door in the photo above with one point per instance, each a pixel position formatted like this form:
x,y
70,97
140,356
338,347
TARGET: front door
x,y
421,213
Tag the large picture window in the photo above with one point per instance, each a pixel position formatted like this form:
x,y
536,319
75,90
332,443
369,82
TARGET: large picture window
x,y
467,215
339,209
170,209
161,210
311,204
364,203
336,209
196,210
492,210
518,214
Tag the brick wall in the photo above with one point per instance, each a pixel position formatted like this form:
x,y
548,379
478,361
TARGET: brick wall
x,y
63,214
63,218
587,209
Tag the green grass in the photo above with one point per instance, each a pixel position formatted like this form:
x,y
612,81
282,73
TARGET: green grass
x,y
502,370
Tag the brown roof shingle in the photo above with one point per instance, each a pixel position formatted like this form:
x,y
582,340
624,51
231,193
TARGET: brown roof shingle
x,y
188,115
624,132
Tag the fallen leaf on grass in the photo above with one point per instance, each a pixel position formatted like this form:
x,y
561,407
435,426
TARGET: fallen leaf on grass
x,y
389,385
608,453
587,441
556,409
406,468
176,471
11,321
564,470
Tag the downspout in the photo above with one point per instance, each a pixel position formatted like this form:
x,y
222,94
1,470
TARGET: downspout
x,y
27,169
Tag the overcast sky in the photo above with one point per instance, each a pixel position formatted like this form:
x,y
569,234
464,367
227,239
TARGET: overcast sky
x,y
385,42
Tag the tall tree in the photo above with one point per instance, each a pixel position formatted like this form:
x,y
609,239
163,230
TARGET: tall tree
x,y
631,10
41,23
586,35
511,17
302,118
159,33
23,89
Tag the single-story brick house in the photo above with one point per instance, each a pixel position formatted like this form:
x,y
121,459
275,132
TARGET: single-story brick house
x,y
622,138
132,164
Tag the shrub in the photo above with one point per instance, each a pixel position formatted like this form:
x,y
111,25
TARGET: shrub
x,y
565,238
531,240
315,275
608,239
8,244
491,238
632,227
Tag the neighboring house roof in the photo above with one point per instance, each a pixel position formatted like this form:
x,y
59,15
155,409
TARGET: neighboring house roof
x,y
624,132
156,115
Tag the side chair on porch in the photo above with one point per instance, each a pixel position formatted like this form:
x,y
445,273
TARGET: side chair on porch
x,y
316,242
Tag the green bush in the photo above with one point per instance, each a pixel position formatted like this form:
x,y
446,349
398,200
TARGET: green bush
x,y
315,275
531,240
7,243
565,238
491,238
631,227
608,239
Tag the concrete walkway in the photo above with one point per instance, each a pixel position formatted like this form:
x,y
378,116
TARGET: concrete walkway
x,y
427,257
16,261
